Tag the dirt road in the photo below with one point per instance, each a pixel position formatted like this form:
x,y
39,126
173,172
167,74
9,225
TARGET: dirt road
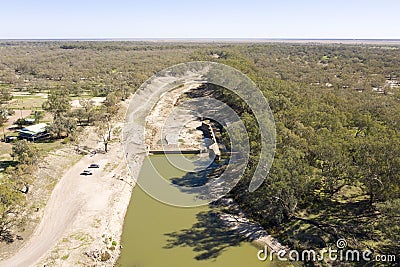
x,y
73,195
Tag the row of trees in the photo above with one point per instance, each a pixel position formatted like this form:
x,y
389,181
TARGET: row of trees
x,y
336,171
13,190
66,120
5,96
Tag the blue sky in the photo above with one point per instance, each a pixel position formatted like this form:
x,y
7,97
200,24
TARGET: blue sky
x,y
353,19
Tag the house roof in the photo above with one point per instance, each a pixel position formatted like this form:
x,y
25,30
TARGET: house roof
x,y
34,129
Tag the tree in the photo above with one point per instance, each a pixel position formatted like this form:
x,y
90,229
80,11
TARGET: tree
x,y
103,131
22,176
62,125
25,152
11,210
105,119
124,92
87,110
111,104
5,96
332,157
389,222
74,89
378,165
3,120
58,103
27,156
20,122
38,115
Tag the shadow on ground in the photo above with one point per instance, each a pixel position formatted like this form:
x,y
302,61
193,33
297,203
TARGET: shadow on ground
x,y
328,221
7,163
6,236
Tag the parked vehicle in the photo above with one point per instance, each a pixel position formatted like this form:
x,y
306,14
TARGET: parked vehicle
x,y
10,139
94,165
86,172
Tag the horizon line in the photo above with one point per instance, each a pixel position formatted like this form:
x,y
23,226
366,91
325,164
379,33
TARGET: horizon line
x,y
222,39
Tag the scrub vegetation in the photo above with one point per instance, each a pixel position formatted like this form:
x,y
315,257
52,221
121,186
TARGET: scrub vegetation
x,y
336,172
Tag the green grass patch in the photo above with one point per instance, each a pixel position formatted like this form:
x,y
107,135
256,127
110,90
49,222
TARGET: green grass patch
x,y
27,97
46,147
85,238
27,103
83,96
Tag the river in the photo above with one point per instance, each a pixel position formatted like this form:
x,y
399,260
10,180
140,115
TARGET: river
x,y
160,235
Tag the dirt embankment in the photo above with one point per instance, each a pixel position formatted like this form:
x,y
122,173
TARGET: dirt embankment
x,y
237,220
171,127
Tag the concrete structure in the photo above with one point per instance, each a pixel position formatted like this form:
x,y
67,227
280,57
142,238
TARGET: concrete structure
x,y
211,145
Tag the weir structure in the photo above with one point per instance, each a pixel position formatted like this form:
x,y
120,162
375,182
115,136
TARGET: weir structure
x,y
210,140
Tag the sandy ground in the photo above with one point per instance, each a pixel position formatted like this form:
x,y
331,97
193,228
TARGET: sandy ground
x,y
180,130
96,101
11,119
83,217
97,206
81,212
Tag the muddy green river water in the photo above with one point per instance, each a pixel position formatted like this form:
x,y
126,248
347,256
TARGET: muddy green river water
x,y
160,235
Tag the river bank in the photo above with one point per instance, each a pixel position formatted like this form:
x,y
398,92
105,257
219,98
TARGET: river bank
x,y
237,220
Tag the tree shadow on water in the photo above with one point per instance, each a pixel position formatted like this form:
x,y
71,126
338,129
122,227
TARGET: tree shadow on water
x,y
195,179
208,237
